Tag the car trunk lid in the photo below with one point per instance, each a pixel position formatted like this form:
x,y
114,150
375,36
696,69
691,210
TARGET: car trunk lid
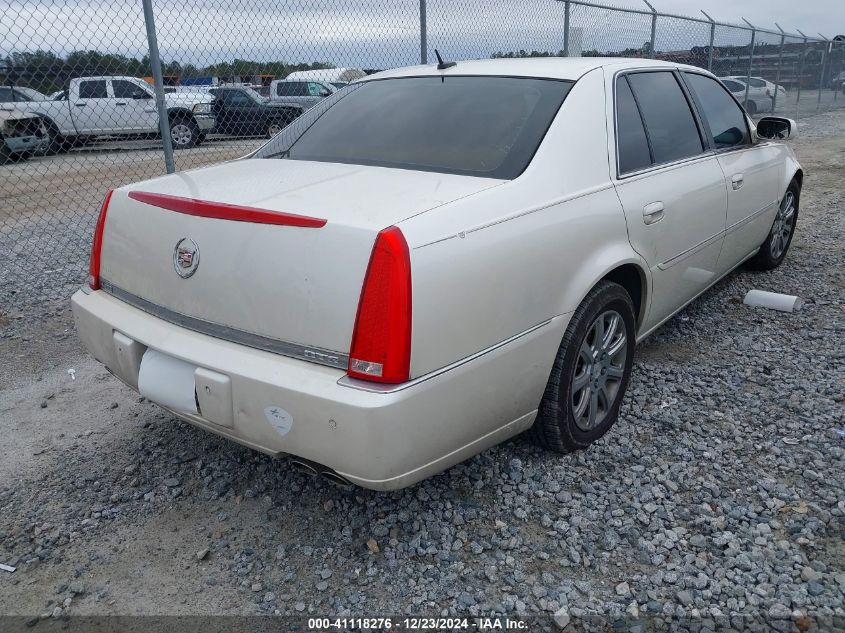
x,y
290,287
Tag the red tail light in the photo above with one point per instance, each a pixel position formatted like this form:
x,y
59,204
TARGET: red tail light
x,y
97,245
381,340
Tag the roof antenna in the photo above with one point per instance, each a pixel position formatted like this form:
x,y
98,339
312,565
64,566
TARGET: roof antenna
x,y
441,65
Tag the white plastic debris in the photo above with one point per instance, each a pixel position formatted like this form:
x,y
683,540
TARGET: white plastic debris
x,y
72,373
773,300
8,568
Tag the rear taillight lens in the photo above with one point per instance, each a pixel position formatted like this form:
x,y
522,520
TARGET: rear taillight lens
x,y
97,245
381,340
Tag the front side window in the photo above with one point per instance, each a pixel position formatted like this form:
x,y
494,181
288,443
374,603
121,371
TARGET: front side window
x,y
93,90
314,89
757,83
631,141
476,126
671,128
724,117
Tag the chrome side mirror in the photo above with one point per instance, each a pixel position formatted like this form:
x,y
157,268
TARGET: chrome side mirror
x,y
777,128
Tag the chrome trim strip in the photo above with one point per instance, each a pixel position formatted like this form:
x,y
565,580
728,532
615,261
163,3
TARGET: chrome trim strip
x,y
315,355
690,251
733,227
375,387
749,218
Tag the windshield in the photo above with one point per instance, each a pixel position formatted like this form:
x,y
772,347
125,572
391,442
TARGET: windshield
x,y
32,94
476,126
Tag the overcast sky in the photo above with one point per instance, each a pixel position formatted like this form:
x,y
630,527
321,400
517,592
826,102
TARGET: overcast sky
x,y
381,33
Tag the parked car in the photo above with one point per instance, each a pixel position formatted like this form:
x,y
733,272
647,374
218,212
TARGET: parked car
x,y
761,88
755,103
94,107
12,94
243,112
837,81
21,135
431,261
302,93
337,77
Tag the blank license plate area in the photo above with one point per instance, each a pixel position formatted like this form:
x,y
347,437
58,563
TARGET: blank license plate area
x,y
168,381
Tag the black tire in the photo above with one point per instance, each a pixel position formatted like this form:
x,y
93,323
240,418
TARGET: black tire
x,y
751,108
184,132
557,428
5,153
58,144
274,127
773,250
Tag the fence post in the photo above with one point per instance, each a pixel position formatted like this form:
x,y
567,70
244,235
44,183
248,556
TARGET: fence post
x,y
780,61
821,78
566,8
712,39
653,28
750,60
158,82
423,34
800,75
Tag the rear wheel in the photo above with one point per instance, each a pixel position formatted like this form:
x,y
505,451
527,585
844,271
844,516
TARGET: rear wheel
x,y
773,250
590,373
751,107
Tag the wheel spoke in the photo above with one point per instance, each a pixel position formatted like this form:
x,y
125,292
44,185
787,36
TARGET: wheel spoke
x,y
582,405
598,337
618,346
581,380
610,332
594,405
615,372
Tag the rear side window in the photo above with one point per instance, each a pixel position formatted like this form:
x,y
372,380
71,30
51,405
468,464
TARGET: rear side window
x,y
474,126
724,117
671,128
93,90
632,144
291,89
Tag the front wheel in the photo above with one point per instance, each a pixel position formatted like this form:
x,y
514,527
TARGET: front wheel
x,y
773,250
590,373
184,133
751,107
274,128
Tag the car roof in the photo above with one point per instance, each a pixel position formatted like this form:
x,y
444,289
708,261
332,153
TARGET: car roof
x,y
570,68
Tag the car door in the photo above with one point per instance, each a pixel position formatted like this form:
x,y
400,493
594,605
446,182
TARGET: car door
x,y
671,188
134,106
92,108
240,112
752,170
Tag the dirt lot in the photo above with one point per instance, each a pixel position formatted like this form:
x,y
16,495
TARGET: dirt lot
x,y
719,497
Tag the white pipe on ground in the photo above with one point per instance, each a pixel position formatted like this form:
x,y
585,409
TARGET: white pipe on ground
x,y
773,300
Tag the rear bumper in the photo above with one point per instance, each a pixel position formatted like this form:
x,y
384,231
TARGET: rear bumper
x,y
378,440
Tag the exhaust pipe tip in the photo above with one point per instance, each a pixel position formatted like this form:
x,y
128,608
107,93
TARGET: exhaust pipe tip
x,y
336,479
304,467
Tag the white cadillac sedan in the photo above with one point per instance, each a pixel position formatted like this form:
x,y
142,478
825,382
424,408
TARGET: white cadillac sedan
x,y
435,259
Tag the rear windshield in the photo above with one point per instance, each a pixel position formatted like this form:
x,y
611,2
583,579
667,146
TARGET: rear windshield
x,y
477,126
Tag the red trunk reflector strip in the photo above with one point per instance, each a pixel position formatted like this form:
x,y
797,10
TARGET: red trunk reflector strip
x,y
223,211
97,245
381,340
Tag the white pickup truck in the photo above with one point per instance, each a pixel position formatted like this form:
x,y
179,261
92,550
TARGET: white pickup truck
x,y
94,107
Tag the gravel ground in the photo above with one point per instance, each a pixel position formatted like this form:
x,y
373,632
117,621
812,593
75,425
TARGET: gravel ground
x,y
716,503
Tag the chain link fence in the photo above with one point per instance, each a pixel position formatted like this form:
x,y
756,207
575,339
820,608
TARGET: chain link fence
x,y
95,94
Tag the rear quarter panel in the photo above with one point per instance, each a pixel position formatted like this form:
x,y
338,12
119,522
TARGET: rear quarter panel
x,y
507,259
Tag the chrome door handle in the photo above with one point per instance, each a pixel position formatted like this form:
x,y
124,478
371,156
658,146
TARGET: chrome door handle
x,y
736,181
653,212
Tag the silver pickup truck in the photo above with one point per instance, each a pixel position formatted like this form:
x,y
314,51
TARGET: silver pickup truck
x,y
94,107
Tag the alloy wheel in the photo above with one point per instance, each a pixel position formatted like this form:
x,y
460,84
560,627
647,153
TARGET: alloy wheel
x,y
181,134
783,225
599,370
